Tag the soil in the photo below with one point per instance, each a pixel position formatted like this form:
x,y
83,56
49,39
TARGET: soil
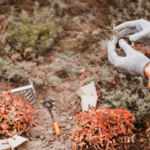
x,y
120,51
19,5
65,104
126,38
61,95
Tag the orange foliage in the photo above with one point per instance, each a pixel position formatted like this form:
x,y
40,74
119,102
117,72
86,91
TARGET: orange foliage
x,y
103,128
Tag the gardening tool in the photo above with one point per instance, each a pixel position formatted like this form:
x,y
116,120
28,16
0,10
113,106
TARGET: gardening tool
x,y
29,92
55,124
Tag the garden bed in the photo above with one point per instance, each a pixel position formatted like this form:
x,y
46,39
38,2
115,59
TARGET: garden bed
x,y
77,57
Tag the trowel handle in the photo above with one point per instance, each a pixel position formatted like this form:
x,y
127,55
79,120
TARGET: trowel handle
x,y
56,128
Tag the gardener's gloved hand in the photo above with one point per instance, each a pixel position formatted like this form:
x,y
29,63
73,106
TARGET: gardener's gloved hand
x,y
138,30
134,62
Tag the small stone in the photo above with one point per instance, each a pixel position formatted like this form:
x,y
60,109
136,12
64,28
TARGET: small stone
x,y
50,131
41,101
63,119
44,87
40,107
62,125
95,32
50,138
70,118
61,99
42,137
56,48
73,102
62,108
34,132
68,126
52,98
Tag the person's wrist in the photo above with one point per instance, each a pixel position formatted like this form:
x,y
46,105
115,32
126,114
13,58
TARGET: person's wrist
x,y
147,70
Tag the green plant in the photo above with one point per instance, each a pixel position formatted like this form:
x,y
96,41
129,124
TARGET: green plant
x,y
30,37
9,70
65,57
103,128
95,73
140,107
129,10
55,79
131,93
113,32
16,115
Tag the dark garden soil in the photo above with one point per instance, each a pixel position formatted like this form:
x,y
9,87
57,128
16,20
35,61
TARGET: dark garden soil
x,y
62,95
120,51
19,5
65,103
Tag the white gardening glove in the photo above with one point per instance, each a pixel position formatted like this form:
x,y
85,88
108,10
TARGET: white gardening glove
x,y
139,31
134,62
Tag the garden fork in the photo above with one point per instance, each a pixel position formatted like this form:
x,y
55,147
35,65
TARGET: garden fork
x,y
29,92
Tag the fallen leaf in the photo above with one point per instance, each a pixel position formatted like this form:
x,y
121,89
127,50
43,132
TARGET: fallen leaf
x,y
75,148
25,54
147,130
113,82
95,74
82,70
140,129
64,87
51,143
142,140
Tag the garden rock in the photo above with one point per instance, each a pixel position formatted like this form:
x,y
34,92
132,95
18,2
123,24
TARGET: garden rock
x,y
49,138
63,119
34,132
50,131
42,137
70,118
68,127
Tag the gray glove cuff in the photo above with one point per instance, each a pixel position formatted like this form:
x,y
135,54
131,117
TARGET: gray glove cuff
x,y
143,67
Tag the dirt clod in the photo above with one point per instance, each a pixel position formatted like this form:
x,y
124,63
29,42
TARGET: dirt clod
x,y
70,118
42,137
49,138
68,127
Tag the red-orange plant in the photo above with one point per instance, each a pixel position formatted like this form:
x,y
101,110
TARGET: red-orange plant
x,y
15,115
102,128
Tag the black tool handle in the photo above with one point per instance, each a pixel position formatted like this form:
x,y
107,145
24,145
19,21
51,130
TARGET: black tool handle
x,y
51,114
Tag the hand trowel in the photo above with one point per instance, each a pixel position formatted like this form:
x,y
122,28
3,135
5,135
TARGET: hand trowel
x,y
55,124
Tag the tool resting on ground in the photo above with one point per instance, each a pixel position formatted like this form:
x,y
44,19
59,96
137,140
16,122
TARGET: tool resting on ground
x,y
55,124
